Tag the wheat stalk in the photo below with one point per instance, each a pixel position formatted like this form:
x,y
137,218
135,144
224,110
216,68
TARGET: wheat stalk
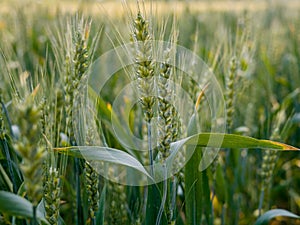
x,y
168,126
144,74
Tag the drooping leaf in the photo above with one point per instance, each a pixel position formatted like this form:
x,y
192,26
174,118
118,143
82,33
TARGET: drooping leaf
x,y
213,140
15,205
105,154
268,216
219,140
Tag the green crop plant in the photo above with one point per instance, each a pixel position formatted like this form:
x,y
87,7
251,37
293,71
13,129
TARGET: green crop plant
x,y
67,157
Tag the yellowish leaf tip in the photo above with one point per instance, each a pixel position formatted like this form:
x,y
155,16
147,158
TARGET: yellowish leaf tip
x,y
200,96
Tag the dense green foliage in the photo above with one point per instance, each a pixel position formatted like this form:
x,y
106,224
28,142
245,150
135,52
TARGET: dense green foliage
x,y
45,55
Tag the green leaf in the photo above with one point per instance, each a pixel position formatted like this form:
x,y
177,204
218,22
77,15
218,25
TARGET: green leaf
x,y
268,216
153,204
105,154
196,164
214,140
221,185
220,140
15,172
101,210
207,203
15,205
5,182
193,180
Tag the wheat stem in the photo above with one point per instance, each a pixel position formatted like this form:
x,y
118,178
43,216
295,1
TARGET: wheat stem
x,y
150,149
164,197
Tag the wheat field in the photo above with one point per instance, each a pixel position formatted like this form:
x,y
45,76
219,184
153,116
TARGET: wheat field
x,y
149,112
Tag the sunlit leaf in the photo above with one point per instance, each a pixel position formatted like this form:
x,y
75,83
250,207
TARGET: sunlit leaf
x,y
268,216
220,140
234,141
105,154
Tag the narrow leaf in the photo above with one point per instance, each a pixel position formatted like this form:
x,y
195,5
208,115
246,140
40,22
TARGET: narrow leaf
x,y
268,216
220,140
193,180
105,154
101,210
153,204
15,205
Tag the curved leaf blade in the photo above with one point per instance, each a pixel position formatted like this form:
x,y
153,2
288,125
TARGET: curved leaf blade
x,y
15,205
268,216
234,141
221,140
105,154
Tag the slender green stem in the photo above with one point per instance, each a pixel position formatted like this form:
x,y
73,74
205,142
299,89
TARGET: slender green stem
x,y
213,195
173,192
93,221
261,199
34,222
223,215
150,149
79,212
194,195
164,197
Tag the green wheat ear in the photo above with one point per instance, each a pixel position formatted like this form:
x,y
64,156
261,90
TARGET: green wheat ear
x,y
52,184
52,192
230,91
92,181
168,120
144,75
77,62
269,160
144,68
28,146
